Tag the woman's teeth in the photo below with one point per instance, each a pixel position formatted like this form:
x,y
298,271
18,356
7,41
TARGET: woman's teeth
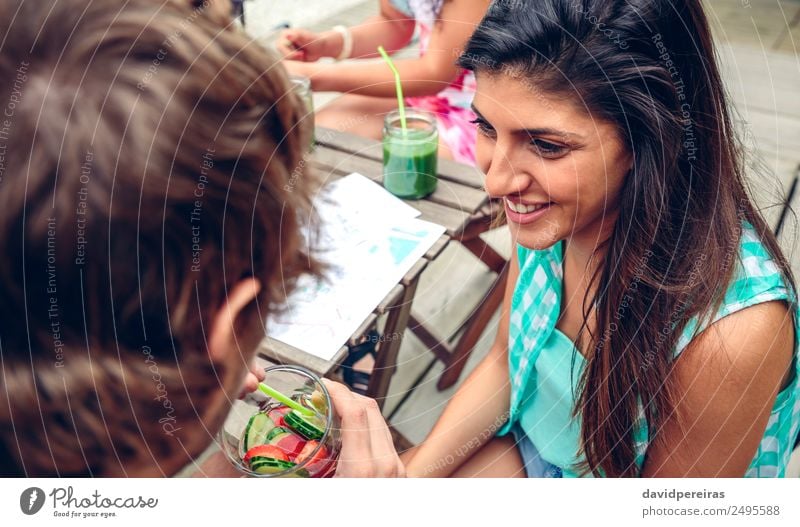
x,y
521,208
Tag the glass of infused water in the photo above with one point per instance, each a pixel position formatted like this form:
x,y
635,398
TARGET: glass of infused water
x,y
285,429
410,156
302,87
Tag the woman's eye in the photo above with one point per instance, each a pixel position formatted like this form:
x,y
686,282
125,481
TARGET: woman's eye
x,y
483,127
548,149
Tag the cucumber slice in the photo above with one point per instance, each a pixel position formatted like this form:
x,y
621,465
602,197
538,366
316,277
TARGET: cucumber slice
x,y
268,465
310,427
275,432
259,426
264,468
302,473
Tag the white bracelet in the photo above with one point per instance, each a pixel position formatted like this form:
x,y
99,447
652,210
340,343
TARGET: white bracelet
x,y
347,42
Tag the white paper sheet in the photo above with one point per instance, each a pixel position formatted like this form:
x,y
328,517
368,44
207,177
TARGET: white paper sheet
x,y
370,239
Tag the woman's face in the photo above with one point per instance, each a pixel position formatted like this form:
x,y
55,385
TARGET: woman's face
x,y
558,170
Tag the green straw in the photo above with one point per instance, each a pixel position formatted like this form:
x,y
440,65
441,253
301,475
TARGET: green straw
x,y
401,107
278,396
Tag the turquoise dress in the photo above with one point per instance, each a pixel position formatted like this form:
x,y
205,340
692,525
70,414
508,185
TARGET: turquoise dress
x,y
545,366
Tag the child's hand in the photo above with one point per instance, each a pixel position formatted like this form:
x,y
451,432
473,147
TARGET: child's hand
x,y
367,447
254,376
302,45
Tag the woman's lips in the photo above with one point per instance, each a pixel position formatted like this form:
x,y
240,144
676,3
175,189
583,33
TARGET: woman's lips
x,y
524,213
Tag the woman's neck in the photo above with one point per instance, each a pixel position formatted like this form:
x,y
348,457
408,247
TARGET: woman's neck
x,y
584,254
585,250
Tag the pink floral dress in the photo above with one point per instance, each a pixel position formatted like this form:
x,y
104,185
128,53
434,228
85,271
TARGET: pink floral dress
x,y
451,105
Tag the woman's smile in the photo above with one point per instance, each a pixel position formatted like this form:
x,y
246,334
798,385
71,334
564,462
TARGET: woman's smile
x,y
524,212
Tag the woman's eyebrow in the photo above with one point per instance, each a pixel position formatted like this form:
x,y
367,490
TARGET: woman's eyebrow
x,y
476,112
567,136
535,131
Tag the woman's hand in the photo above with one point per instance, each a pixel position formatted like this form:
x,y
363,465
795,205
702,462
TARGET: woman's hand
x,y
307,46
367,447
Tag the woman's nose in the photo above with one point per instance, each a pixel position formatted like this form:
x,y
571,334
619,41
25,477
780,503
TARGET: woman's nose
x,y
503,176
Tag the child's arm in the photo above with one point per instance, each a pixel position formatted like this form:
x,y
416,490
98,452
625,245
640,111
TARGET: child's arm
x,y
477,410
727,380
391,29
427,75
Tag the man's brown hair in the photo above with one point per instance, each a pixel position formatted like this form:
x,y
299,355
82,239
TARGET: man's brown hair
x,y
151,159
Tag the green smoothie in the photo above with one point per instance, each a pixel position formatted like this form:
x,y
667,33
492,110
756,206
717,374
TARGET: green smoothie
x,y
409,164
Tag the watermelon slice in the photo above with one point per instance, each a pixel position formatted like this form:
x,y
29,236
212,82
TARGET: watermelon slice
x,y
306,453
265,451
290,444
277,415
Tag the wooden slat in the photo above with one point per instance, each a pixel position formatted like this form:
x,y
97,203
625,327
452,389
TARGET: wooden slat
x,y
436,345
388,349
414,272
369,148
338,358
348,142
473,328
454,221
464,174
365,326
447,193
741,65
437,248
390,299
264,362
283,353
756,23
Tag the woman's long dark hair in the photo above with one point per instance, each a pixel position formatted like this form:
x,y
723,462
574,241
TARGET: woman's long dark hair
x,y
648,67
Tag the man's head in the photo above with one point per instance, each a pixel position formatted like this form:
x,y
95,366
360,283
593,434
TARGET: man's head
x,y
151,189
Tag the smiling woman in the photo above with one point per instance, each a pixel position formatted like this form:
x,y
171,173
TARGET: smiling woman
x,y
653,319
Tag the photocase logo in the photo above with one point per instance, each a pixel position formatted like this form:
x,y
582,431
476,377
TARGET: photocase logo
x,y
31,500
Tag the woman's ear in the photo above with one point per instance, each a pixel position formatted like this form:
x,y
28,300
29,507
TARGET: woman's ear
x,y
222,342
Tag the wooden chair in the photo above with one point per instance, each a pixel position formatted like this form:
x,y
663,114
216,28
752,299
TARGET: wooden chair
x,y
460,185
454,356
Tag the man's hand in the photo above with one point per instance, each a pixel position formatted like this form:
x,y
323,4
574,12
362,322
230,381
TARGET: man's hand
x,y
254,376
367,447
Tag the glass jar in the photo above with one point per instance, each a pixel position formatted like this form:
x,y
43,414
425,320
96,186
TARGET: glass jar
x,y
410,157
302,87
264,438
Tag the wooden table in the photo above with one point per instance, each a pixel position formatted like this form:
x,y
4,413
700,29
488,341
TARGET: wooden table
x,y
462,207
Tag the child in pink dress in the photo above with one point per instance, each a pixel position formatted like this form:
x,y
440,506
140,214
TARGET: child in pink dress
x,y
431,82
451,105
